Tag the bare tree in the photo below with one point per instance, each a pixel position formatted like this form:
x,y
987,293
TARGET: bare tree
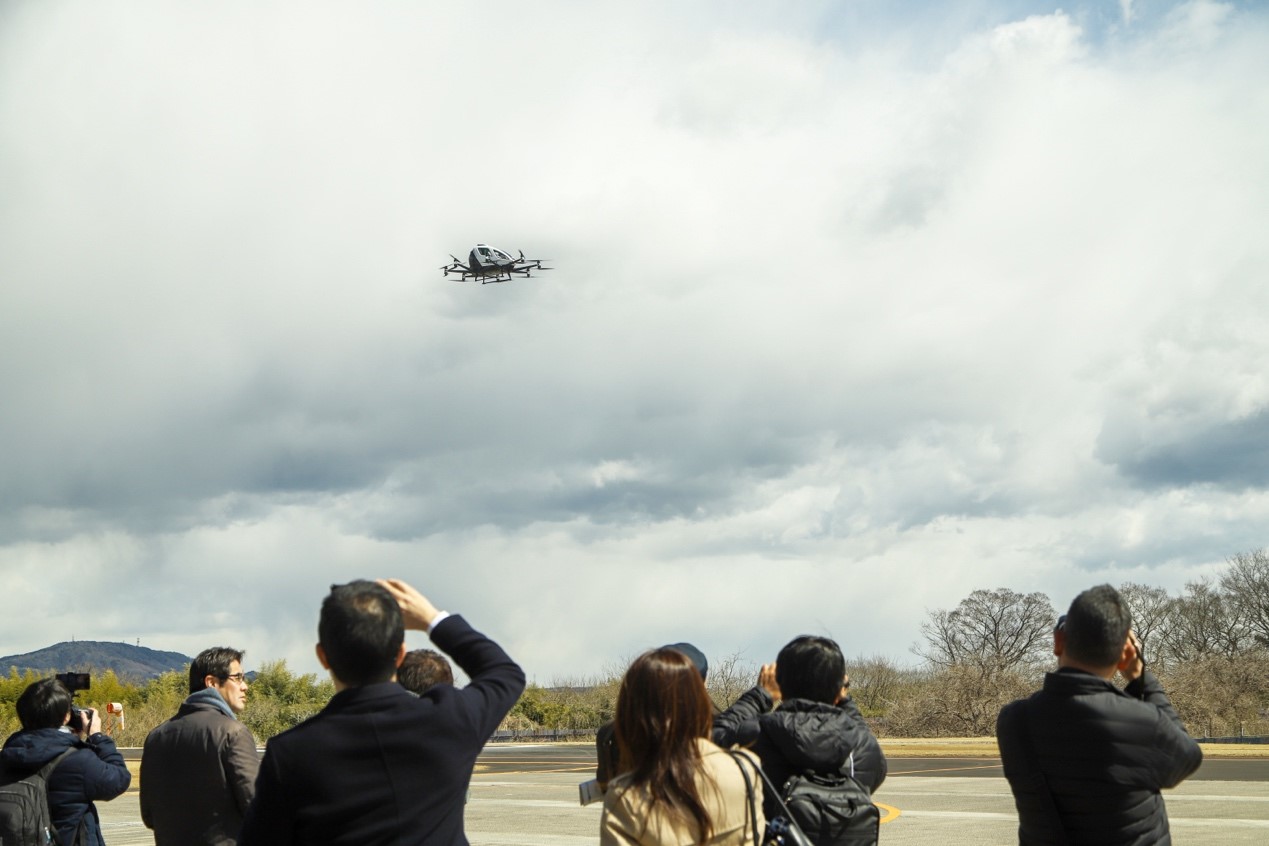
x,y
1218,695
1246,585
1204,622
998,630
728,677
874,683
1151,609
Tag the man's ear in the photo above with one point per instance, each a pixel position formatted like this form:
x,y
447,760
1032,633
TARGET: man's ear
x,y
1059,642
400,654
1128,656
210,681
321,657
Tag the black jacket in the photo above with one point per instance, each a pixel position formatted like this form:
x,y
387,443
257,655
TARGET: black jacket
x,y
95,770
198,775
379,766
1105,754
802,735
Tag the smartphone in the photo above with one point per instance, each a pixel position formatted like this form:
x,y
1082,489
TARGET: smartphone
x,y
590,791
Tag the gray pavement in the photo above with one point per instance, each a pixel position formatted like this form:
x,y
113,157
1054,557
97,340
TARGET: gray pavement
x,y
541,808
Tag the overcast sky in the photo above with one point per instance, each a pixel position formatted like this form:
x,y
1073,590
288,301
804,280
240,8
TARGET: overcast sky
x,y
857,307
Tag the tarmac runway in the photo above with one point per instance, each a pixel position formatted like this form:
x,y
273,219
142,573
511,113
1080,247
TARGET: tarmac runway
x,y
526,795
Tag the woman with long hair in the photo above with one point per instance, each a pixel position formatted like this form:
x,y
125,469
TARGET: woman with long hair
x,y
677,788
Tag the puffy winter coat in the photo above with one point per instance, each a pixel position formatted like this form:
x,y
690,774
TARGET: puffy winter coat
x,y
802,736
95,770
1104,753
198,774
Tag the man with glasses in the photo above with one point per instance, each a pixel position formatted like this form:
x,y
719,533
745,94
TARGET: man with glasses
x,y
198,770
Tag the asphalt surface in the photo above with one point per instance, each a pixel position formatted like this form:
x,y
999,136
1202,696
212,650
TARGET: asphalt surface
x,y
527,795
576,758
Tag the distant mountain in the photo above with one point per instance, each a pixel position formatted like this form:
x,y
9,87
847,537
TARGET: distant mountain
x,y
135,663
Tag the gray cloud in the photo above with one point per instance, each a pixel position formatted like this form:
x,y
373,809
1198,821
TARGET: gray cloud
x,y
849,317
1232,454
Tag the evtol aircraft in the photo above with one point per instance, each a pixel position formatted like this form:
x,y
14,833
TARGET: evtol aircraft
x,y
489,264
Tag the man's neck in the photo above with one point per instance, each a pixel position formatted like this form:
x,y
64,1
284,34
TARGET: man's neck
x,y
1107,673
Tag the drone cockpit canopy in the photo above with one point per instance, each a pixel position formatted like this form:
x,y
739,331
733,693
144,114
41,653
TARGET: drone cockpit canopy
x,y
486,255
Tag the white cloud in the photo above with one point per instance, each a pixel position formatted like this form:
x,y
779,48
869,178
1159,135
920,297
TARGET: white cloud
x,y
839,330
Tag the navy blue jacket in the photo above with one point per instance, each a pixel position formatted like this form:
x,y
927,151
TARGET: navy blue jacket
x,y
95,770
379,766
1104,753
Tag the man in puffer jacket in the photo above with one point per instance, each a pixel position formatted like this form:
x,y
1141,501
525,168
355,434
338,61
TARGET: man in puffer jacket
x,y
800,717
94,769
1086,759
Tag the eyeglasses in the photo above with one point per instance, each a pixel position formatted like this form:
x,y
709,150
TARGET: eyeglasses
x,y
238,677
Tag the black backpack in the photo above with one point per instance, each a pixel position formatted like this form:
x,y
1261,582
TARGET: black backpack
x,y
24,815
832,809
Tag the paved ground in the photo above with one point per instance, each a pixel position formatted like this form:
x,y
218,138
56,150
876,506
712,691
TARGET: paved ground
x,y
527,796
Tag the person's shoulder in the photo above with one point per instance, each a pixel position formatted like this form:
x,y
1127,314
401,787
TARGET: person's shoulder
x,y
621,795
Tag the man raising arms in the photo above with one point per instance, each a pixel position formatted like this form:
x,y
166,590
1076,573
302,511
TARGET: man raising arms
x,y
379,765
1085,759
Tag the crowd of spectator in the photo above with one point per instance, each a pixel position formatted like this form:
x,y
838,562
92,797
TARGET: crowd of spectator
x,y
390,757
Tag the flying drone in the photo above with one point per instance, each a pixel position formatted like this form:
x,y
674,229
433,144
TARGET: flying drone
x,y
489,264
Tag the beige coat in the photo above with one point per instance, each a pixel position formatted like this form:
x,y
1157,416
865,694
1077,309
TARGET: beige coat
x,y
626,820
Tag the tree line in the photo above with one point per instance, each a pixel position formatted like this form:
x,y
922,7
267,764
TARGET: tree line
x,y
277,700
1208,644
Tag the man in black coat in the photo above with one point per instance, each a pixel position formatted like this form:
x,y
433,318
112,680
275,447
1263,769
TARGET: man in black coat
x,y
379,765
93,770
198,769
800,717
1086,760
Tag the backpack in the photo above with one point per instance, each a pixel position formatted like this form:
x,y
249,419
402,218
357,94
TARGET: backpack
x,y
832,809
24,814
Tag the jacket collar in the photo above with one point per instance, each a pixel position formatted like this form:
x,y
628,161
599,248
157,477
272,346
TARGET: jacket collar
x,y
353,698
1069,681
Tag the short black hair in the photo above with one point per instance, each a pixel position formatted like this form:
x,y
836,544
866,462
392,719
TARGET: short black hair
x,y
44,704
424,668
212,662
1097,626
811,667
361,631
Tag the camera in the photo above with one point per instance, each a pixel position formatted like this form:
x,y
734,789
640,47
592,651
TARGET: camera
x,y
75,681
81,719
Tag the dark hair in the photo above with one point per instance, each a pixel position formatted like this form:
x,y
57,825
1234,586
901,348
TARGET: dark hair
x,y
361,632
662,709
1097,626
44,704
811,667
424,668
212,662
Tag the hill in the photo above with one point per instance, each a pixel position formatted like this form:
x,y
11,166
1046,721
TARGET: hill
x,y
129,662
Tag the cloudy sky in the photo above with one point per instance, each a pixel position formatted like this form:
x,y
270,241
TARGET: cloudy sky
x,y
857,307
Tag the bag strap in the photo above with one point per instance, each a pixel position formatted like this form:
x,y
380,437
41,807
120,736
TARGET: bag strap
x,y
1033,760
779,797
752,811
47,769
